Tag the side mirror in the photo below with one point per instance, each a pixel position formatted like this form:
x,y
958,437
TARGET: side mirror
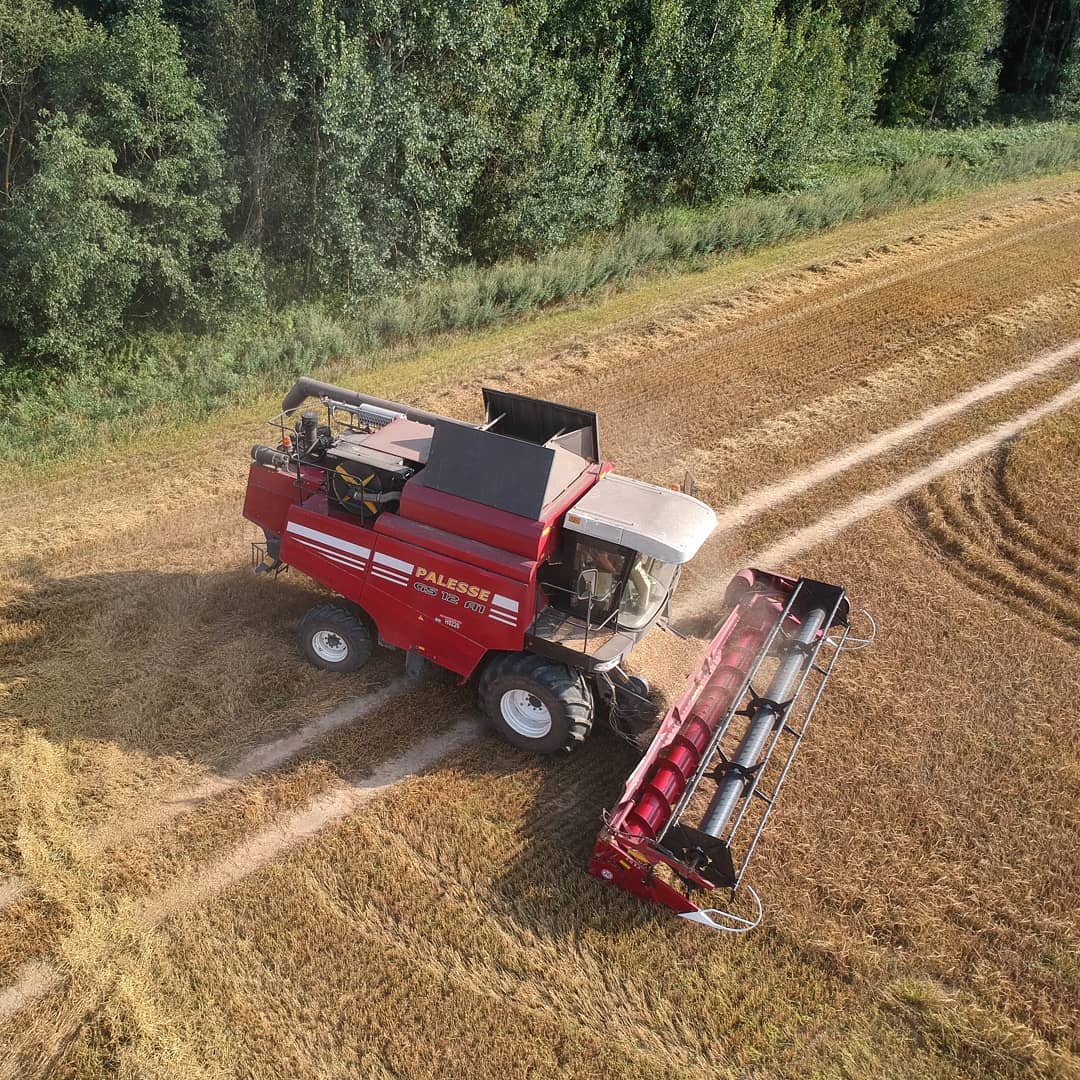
x,y
586,584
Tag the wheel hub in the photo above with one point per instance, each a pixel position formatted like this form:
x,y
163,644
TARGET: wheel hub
x,y
329,647
525,713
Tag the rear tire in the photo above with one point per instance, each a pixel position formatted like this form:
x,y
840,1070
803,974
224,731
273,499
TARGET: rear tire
x,y
535,704
335,638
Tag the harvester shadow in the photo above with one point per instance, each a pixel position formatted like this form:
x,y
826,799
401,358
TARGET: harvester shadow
x,y
160,663
168,664
545,886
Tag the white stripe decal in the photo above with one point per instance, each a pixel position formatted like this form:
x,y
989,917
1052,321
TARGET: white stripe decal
x,y
502,601
375,572
334,556
499,617
390,573
352,564
326,538
388,560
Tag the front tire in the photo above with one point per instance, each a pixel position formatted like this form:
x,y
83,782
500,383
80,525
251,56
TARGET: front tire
x,y
535,704
335,638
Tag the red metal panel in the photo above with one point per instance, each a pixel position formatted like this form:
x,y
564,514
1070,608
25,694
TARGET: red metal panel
x,y
269,496
335,553
466,518
449,610
443,543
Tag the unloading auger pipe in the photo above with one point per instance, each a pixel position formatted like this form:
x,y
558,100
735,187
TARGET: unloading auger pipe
x,y
764,719
304,388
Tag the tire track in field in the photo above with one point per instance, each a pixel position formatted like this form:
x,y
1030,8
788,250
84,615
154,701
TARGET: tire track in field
x,y
772,495
38,977
836,521
1014,517
261,759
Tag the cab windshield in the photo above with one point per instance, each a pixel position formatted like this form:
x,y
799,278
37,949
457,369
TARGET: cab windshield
x,y
613,582
646,589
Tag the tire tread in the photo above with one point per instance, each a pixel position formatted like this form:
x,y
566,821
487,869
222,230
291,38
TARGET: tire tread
x,y
350,625
566,685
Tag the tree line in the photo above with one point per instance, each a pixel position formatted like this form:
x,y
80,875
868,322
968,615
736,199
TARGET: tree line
x,y
166,162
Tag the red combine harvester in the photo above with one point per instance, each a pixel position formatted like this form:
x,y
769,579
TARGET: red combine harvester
x,y
511,550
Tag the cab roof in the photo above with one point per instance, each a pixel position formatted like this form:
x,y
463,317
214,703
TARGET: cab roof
x,y
661,523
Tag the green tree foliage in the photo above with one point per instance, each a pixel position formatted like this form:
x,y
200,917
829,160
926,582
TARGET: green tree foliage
x,y
556,160
703,103
948,66
29,32
401,127
157,162
808,95
1039,49
874,28
735,95
69,274
115,188
1066,99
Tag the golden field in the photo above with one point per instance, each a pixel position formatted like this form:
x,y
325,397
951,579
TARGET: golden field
x,y
216,861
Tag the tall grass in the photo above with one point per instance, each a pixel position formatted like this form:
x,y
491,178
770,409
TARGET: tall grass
x,y
158,378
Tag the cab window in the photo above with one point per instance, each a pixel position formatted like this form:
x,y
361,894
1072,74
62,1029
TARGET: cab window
x,y
647,587
608,564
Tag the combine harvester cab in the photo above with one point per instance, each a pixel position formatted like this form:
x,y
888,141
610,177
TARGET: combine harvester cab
x,y
738,725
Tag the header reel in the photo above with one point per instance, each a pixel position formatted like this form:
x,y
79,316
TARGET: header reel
x,y
738,725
